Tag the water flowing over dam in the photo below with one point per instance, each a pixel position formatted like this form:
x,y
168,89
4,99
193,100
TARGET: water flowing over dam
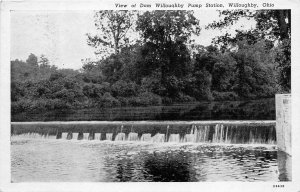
x,y
239,132
146,151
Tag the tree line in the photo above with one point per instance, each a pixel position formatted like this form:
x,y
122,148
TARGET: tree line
x,y
164,65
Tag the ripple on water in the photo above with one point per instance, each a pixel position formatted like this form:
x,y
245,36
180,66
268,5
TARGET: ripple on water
x,y
73,160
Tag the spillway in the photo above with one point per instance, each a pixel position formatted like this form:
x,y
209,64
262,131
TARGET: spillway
x,y
109,136
64,135
75,136
241,132
146,137
97,136
133,137
120,137
174,138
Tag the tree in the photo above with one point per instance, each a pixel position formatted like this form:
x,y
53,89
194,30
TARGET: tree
x,y
23,71
202,75
272,26
161,27
270,23
255,74
275,23
112,27
283,59
32,60
44,62
224,72
165,52
91,72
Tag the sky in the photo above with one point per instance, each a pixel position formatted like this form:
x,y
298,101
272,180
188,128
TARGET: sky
x,y
61,35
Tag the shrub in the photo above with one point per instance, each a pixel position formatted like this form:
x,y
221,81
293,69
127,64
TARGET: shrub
x,y
56,76
57,104
152,84
17,91
143,99
148,98
91,91
108,100
124,89
167,100
20,106
184,98
104,87
38,105
222,96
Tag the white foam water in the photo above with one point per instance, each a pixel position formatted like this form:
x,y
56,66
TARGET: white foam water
x,y
75,136
86,136
120,137
97,136
175,138
109,136
64,135
188,138
158,138
146,137
218,134
133,137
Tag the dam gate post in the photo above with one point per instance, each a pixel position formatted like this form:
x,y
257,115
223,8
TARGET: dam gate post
x,y
283,122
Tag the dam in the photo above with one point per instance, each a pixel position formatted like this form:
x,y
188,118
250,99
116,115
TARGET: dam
x,y
231,132
142,151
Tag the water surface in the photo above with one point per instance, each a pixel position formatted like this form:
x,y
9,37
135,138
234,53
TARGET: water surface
x,y
59,160
226,110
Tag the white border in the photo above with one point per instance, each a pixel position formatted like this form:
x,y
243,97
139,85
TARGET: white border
x,y
5,184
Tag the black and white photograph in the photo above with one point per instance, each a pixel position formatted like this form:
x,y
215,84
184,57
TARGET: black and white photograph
x,y
175,93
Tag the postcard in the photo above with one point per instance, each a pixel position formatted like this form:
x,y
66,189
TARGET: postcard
x,y
149,96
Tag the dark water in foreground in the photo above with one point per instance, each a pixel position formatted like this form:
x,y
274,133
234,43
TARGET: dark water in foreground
x,y
38,159
225,110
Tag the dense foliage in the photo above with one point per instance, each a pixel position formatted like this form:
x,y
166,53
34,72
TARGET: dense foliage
x,y
164,67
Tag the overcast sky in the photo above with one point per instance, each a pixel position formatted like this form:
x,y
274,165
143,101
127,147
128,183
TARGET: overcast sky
x,y
61,36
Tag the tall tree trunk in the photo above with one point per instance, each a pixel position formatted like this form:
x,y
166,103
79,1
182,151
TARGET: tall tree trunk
x,y
116,46
282,16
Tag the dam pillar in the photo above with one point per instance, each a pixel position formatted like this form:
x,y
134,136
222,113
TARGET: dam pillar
x,y
283,123
283,136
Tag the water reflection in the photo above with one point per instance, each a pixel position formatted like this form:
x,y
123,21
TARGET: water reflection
x,y
78,160
170,166
124,170
228,110
284,166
